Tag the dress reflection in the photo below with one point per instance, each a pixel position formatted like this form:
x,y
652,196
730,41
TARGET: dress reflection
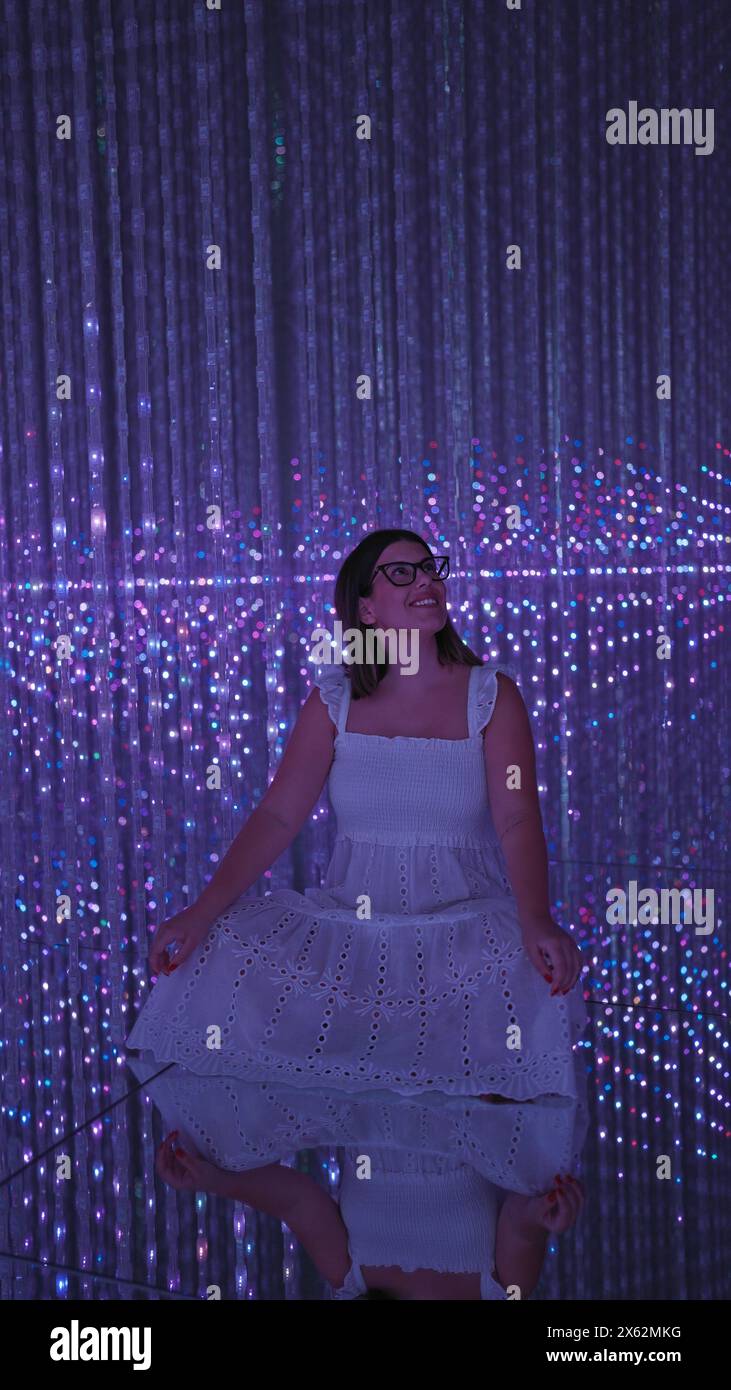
x,y
439,1197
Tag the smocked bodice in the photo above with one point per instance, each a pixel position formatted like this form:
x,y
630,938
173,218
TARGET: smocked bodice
x,y
417,1211
411,791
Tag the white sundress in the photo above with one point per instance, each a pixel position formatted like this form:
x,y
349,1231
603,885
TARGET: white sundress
x,y
354,1012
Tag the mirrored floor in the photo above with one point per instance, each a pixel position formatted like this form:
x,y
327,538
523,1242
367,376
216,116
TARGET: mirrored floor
x,y
84,1213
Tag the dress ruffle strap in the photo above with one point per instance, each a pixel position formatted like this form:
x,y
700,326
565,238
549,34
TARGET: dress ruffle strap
x,y
486,690
331,682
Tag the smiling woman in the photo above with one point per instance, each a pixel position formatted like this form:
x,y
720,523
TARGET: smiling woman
x,y
392,582
369,645
434,910
425,965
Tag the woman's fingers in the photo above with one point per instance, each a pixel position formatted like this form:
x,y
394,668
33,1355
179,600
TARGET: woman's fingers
x,y
566,967
160,941
559,965
172,1165
573,963
564,1207
576,964
550,956
576,1190
571,1202
549,1209
555,955
187,943
558,1216
548,961
187,928
561,973
163,1165
165,1160
535,956
160,960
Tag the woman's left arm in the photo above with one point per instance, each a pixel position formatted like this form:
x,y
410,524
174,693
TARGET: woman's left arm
x,y
520,1246
516,814
523,1227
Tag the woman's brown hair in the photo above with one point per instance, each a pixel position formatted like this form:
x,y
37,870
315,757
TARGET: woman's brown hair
x,y
354,582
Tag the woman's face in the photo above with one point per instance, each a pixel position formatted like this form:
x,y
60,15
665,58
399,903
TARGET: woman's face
x,y
391,605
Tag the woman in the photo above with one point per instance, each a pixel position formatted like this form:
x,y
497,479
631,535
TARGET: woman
x,y
428,961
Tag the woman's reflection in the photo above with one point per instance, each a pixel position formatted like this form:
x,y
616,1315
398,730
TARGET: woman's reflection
x,y
404,1224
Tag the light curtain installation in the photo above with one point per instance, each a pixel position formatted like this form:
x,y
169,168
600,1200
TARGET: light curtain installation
x,y
274,274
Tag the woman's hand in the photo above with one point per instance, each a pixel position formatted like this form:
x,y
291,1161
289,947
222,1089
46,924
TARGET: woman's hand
x,y
553,952
190,1172
555,1211
188,928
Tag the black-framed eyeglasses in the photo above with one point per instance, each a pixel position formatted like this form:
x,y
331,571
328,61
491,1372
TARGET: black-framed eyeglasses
x,y
404,571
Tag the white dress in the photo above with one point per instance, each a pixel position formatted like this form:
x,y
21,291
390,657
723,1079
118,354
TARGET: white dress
x,y
398,978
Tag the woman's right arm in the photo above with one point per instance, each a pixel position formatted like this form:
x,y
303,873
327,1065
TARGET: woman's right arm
x,y
270,829
277,820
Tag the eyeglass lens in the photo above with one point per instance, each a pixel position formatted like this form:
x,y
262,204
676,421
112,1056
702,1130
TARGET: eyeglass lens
x,y
400,572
